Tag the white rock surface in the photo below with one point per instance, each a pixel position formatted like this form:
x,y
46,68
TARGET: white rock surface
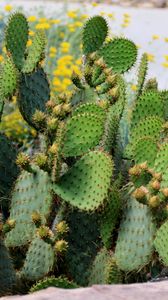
x,y
145,291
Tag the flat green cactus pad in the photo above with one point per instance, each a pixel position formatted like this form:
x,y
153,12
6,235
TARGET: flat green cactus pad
x,y
104,269
149,104
135,240
16,38
85,95
31,193
91,108
145,149
119,54
82,132
161,243
161,162
39,260
7,273
142,72
35,53
33,95
94,34
8,167
59,282
109,217
8,79
86,184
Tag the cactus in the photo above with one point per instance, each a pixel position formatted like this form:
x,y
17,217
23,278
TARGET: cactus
x,y
60,282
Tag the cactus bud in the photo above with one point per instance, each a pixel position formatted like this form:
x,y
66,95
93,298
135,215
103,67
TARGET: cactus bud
x,y
44,232
11,223
41,160
93,56
52,124
23,161
155,185
66,107
39,118
61,246
62,98
50,104
112,79
154,201
140,193
8,225
54,149
57,110
114,92
103,104
157,176
62,227
135,171
76,80
36,218
165,192
143,166
100,62
107,71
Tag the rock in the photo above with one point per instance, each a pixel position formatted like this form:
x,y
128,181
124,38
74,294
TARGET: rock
x,y
143,291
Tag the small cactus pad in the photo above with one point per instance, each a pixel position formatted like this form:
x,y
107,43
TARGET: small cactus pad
x,y
148,104
8,79
104,269
31,193
142,72
135,240
82,132
16,38
109,217
59,282
119,54
86,184
35,53
7,273
161,243
161,162
145,149
39,260
91,108
94,34
34,94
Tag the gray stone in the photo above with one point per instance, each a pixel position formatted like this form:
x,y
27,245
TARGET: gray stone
x,y
143,291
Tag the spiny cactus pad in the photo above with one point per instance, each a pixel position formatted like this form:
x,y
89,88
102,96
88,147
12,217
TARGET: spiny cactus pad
x,y
110,216
35,53
33,95
94,34
161,162
31,193
8,79
148,104
91,108
82,132
86,184
142,72
16,38
7,273
119,54
135,240
59,282
145,149
161,243
39,260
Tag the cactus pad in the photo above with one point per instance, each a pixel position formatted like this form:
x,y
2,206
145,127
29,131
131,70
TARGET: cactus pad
x,y
94,34
59,282
135,240
86,184
142,72
161,162
16,38
31,193
119,54
39,260
8,79
34,94
82,132
161,243
91,108
145,149
35,53
149,104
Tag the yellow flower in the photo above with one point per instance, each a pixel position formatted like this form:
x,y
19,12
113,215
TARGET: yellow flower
x,y
56,21
165,64
78,61
56,81
72,14
52,55
166,39
166,57
150,57
124,25
29,43
43,26
138,46
71,27
62,35
4,50
8,7
111,16
84,16
78,24
94,4
126,21
42,20
66,81
53,49
31,19
76,69
108,39
31,33
126,15
1,58
65,44
102,13
155,37
133,87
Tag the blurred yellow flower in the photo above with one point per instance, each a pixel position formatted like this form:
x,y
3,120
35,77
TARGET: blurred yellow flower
x,y
62,35
1,58
52,54
42,20
94,4
53,49
166,57
8,7
78,24
138,46
166,39
72,14
133,87
155,37
165,64
31,19
126,15
56,81
29,43
31,33
4,49
111,16
150,57
43,26
124,24
56,21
